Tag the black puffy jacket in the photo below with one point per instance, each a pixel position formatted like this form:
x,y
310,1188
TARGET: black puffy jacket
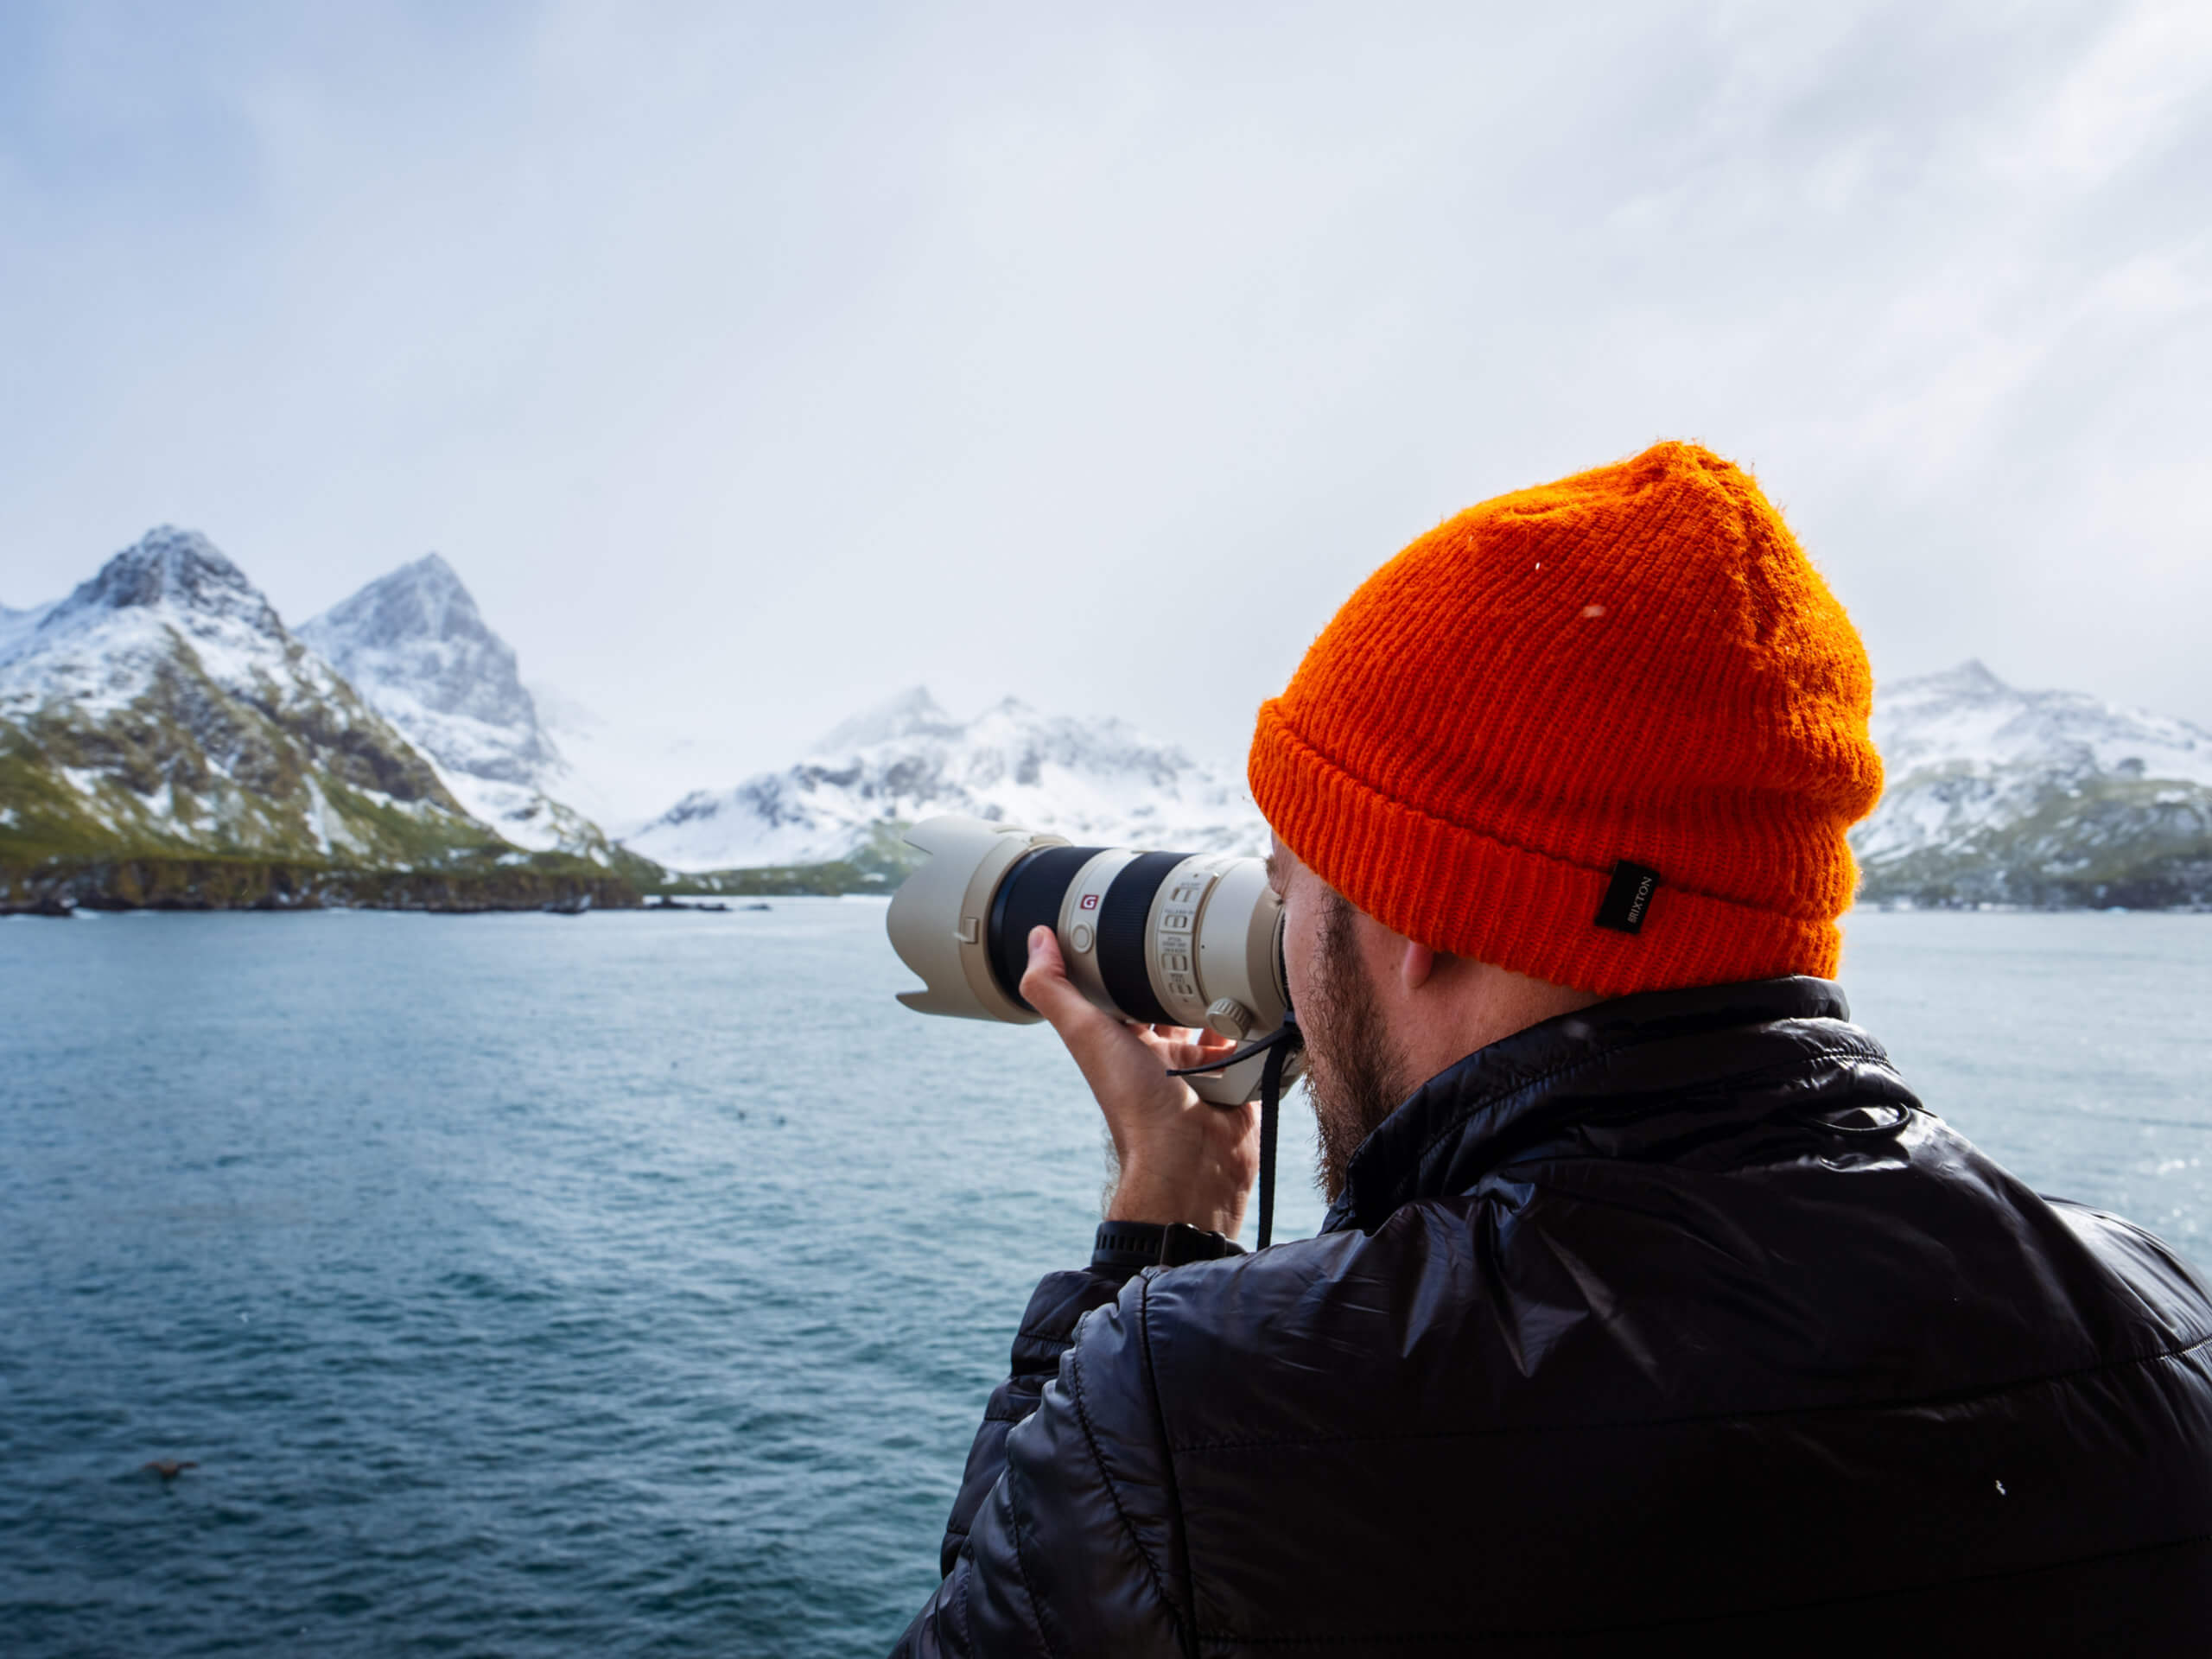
x,y
1680,1320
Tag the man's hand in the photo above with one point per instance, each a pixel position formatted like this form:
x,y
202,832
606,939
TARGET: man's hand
x,y
1181,1159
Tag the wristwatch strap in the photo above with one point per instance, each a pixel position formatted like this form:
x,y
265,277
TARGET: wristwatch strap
x,y
1124,1247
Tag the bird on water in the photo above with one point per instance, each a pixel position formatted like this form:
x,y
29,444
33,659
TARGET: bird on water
x,y
170,1468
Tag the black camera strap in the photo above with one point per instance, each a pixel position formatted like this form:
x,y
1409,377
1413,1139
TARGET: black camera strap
x,y
1278,1046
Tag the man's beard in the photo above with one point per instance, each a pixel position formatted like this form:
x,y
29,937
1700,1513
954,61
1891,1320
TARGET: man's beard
x,y
1353,1075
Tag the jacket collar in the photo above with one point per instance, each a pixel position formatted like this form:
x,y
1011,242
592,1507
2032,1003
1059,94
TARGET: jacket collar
x,y
1586,1077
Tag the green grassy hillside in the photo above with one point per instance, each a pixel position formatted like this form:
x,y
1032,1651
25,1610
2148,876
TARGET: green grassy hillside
x,y
134,811
2137,843
188,766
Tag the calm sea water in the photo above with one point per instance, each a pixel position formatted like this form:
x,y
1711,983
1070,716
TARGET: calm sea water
x,y
632,1284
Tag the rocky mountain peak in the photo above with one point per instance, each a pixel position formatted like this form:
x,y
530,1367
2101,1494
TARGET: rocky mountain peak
x,y
414,644
180,568
1971,678
418,632
423,600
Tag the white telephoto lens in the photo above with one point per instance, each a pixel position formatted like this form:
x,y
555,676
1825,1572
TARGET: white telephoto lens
x,y
1160,937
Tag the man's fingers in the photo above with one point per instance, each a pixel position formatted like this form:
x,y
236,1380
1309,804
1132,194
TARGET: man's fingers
x,y
1192,1045
1104,1046
1180,1055
1193,1037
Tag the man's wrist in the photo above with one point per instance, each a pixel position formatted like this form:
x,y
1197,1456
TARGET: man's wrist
x,y
1136,1198
1122,1248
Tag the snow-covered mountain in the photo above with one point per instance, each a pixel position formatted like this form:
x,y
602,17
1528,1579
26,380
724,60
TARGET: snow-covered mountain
x,y
2038,797
164,706
1094,781
414,644
1994,795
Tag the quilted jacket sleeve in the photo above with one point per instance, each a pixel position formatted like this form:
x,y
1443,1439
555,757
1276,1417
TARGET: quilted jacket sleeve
x,y
1047,1326
1062,1538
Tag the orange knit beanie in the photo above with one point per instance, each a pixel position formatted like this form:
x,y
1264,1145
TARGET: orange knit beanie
x,y
1609,732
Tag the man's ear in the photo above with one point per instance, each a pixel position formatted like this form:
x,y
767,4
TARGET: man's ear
x,y
1416,963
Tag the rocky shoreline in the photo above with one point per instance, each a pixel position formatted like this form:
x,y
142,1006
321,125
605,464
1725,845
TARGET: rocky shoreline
x,y
57,887
2181,883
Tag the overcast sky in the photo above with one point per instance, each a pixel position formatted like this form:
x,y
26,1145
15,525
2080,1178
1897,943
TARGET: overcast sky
x,y
751,362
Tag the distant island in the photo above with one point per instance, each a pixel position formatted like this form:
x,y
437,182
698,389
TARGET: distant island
x,y
166,741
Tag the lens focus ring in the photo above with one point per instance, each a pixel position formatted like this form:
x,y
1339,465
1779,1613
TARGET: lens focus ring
x,y
1123,950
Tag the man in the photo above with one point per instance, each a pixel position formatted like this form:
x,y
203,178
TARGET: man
x,y
1652,1305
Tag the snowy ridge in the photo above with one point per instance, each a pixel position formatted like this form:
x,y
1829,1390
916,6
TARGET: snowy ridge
x,y
414,644
16,626
913,713
1968,713
1094,781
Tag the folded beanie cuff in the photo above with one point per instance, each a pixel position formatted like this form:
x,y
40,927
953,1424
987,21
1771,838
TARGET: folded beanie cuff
x,y
1457,888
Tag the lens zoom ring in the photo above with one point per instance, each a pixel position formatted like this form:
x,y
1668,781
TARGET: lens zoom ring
x,y
1029,896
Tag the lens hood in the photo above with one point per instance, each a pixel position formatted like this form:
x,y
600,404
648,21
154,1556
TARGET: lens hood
x,y
940,915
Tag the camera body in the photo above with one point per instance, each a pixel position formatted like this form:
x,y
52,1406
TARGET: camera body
x,y
1160,938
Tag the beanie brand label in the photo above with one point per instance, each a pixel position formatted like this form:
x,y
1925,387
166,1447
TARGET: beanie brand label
x,y
1627,897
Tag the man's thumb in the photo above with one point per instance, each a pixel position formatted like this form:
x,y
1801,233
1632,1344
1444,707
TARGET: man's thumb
x,y
1044,984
